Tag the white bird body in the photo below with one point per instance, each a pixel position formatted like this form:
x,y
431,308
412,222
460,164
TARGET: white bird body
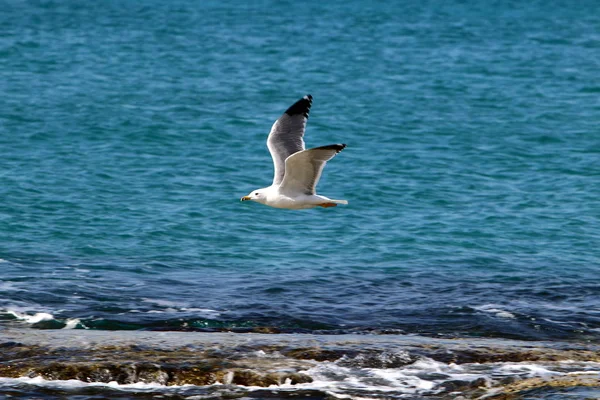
x,y
272,196
297,170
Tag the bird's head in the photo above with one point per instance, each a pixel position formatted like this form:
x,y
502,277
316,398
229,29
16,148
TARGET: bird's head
x,y
257,195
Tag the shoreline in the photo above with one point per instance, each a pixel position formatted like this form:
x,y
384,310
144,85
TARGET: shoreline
x,y
288,363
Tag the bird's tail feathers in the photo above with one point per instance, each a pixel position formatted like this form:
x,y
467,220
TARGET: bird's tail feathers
x,y
339,201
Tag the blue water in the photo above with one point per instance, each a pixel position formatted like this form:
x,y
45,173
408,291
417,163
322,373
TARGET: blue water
x,y
129,131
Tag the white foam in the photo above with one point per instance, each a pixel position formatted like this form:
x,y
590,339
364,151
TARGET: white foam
x,y
588,372
75,384
31,319
172,306
72,323
5,286
494,309
162,303
526,370
557,322
167,310
425,376
410,379
228,378
206,311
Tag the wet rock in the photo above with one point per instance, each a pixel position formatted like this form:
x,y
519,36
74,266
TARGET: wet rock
x,y
378,360
13,371
266,360
315,353
58,371
308,394
458,385
252,378
7,345
199,374
493,355
126,373
507,380
265,329
102,372
521,388
293,378
153,374
14,351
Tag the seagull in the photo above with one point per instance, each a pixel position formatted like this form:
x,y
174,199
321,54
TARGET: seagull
x,y
297,170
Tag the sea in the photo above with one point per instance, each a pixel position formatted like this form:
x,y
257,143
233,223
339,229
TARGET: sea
x,y
466,264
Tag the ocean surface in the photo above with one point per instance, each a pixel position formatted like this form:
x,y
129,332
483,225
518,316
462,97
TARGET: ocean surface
x,y
129,131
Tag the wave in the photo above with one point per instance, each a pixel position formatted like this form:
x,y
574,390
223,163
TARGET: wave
x,y
487,320
495,310
319,367
31,319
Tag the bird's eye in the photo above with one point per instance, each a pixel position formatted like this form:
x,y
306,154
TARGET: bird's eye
x,y
256,194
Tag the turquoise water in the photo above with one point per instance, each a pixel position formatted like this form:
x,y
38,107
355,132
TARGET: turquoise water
x,y
130,130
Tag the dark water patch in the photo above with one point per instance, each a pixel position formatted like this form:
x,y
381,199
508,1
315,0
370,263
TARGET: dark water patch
x,y
492,321
590,89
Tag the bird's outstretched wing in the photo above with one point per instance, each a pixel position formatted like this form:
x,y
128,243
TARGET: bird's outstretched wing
x,y
303,169
286,136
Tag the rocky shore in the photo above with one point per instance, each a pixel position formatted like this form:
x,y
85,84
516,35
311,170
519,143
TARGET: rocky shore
x,y
487,368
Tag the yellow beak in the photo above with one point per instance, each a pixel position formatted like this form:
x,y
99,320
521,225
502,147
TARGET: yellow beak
x,y
245,198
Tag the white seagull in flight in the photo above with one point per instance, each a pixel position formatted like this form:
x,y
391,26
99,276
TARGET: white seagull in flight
x,y
297,171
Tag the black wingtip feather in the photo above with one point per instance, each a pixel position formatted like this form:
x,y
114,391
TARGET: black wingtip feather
x,y
302,106
337,147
